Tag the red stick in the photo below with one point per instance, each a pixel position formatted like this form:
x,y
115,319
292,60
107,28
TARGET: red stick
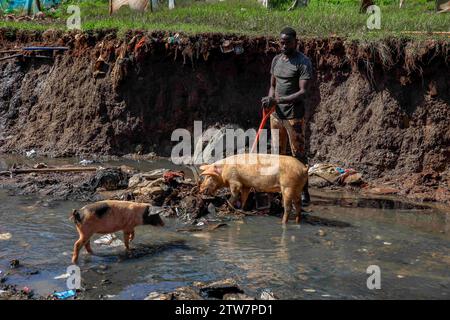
x,y
266,115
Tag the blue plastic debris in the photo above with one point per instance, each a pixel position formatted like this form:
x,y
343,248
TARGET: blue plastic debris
x,y
64,294
9,6
340,170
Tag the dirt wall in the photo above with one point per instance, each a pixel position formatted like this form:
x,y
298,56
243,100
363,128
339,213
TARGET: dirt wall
x,y
381,108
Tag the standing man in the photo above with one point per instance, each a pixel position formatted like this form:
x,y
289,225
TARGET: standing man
x,y
290,73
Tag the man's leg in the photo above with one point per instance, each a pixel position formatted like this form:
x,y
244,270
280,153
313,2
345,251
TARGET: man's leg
x,y
282,135
296,131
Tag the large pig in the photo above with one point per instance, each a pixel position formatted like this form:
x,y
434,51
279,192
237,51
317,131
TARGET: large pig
x,y
110,216
261,172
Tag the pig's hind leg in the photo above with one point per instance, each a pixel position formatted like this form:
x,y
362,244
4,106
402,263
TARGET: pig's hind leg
x,y
127,237
88,247
288,197
244,196
298,208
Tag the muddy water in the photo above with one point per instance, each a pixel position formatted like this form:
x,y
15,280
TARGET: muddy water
x,y
410,244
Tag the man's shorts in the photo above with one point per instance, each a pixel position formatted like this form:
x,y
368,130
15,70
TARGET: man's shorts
x,y
292,130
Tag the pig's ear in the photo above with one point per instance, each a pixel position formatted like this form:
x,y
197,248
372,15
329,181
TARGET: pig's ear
x,y
218,170
209,172
204,167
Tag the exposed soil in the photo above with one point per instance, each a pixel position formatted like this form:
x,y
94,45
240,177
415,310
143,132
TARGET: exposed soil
x,y
381,108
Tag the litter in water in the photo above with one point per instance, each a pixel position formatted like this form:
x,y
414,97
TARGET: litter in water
x,y
109,240
5,236
62,276
64,294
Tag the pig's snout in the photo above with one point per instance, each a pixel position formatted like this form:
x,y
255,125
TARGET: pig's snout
x,y
153,220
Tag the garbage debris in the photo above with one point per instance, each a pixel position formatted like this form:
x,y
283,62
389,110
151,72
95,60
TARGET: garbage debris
x,y
330,174
64,294
109,240
268,294
85,162
62,276
109,179
31,154
171,176
5,236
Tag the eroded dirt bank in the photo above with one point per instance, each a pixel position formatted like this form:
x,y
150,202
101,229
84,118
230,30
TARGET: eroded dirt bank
x,y
381,108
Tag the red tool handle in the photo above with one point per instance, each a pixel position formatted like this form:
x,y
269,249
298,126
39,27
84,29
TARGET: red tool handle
x,y
266,115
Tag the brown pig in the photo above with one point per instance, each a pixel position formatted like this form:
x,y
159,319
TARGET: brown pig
x,y
261,172
110,216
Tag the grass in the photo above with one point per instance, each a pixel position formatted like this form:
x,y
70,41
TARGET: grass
x,y
322,18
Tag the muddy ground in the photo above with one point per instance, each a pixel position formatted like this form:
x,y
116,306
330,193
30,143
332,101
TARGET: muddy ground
x,y
381,108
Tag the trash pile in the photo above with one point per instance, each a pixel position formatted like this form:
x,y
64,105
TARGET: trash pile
x,y
324,174
179,197
118,58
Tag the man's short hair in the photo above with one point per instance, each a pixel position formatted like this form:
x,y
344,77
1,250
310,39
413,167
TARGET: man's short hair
x,y
289,32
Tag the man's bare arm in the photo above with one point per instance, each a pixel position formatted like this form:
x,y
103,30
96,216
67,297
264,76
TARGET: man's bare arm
x,y
295,96
273,82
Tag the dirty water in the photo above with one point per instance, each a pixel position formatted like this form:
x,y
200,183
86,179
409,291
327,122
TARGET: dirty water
x,y
410,243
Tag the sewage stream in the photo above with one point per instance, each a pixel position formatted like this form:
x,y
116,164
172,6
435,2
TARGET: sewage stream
x,y
410,243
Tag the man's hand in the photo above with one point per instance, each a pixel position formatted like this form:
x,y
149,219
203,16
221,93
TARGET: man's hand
x,y
268,102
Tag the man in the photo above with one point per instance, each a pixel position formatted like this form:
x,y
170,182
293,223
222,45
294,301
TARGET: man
x,y
290,73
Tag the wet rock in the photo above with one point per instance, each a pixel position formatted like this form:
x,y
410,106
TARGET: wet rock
x,y
14,264
187,293
218,289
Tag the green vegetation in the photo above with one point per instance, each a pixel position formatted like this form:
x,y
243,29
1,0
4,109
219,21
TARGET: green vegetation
x,y
321,18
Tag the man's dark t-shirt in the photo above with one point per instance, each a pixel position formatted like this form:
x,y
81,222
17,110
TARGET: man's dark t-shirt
x,y
287,74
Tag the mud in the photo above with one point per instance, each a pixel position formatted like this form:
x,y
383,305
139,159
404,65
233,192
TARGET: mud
x,y
381,108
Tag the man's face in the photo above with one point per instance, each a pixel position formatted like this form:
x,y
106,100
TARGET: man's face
x,y
288,44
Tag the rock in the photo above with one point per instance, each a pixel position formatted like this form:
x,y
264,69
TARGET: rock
x,y
321,233
187,293
218,289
